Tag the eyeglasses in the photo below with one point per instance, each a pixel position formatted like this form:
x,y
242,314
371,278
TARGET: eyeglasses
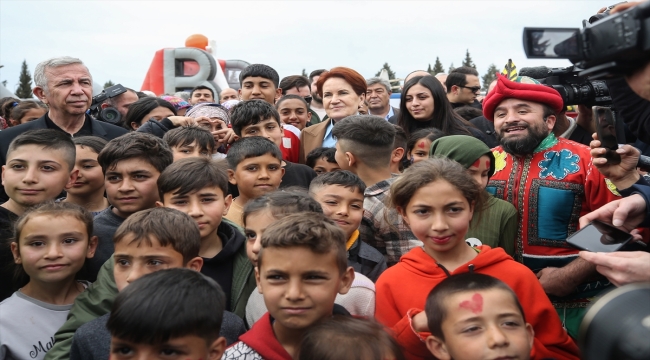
x,y
473,89
308,99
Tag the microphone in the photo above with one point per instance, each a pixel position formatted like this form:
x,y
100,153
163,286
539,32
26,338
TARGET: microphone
x,y
644,163
537,72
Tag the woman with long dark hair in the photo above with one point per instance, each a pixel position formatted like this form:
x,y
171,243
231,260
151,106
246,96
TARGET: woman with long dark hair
x,y
147,108
424,104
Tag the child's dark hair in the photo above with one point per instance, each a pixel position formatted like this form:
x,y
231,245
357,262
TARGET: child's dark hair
x,y
48,139
427,171
168,226
136,145
260,70
326,153
94,143
468,112
250,147
315,232
192,174
189,134
343,178
251,112
6,104
436,307
282,203
346,337
139,109
370,138
18,111
48,208
291,97
431,134
168,304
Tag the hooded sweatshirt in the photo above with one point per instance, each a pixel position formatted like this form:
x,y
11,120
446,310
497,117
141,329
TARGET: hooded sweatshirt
x,y
402,291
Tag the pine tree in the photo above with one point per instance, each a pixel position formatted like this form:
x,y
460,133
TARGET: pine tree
x,y
437,67
391,74
304,72
429,70
108,84
489,76
451,68
24,90
468,60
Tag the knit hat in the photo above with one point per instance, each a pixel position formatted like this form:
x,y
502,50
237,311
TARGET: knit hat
x,y
178,103
230,104
524,88
211,110
462,149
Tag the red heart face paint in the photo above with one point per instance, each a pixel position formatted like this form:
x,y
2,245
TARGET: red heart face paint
x,y
421,145
476,163
474,305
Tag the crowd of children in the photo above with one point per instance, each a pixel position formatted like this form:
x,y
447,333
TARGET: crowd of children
x,y
159,249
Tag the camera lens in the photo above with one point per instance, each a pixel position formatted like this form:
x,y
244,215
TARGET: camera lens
x,y
110,115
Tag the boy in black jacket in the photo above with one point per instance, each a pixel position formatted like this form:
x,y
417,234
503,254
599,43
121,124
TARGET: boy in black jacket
x,y
340,193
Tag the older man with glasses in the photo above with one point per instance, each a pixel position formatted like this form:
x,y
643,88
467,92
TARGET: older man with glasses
x,y
463,86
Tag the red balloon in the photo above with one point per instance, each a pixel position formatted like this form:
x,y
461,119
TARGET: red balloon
x,y
197,41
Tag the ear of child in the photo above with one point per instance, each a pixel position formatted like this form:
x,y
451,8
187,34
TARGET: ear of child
x,y
217,348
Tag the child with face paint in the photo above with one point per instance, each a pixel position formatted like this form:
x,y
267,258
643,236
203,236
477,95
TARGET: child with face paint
x,y
437,199
497,225
419,143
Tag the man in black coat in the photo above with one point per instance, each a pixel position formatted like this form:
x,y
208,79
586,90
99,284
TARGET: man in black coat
x,y
65,85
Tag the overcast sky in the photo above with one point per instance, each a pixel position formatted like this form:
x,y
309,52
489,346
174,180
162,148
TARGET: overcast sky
x,y
117,40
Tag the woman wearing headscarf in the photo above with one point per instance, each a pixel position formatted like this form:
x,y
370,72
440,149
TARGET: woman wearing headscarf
x,y
496,224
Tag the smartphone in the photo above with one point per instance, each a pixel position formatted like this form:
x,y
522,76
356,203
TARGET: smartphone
x,y
599,237
606,129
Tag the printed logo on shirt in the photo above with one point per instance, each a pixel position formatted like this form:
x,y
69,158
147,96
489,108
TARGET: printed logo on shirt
x,y
286,143
40,348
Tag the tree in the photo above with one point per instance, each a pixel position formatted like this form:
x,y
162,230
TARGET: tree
x,y
4,83
108,84
451,68
437,67
489,76
24,90
429,70
391,74
304,73
468,60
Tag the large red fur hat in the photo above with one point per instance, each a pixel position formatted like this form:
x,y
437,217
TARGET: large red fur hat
x,y
523,88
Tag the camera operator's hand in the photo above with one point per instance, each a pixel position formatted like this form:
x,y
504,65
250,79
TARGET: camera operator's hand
x,y
621,267
624,174
626,213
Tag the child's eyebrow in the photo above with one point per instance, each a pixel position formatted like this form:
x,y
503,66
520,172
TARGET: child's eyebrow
x,y
39,161
454,203
88,160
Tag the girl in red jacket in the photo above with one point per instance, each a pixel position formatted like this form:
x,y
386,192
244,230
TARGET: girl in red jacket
x,y
437,198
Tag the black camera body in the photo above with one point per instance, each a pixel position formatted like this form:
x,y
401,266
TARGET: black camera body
x,y
575,89
110,114
612,45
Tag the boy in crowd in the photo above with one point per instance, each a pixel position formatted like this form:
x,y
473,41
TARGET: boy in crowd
x,y
190,140
147,241
322,160
131,164
365,146
40,163
259,118
340,193
168,314
488,308
255,167
198,187
299,255
259,81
